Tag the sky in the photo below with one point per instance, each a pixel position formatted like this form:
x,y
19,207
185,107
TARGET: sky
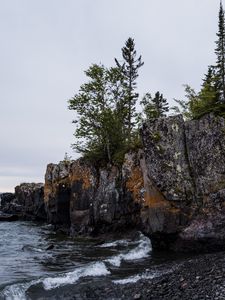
x,y
47,44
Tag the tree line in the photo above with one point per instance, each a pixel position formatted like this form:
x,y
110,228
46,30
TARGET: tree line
x,y
211,97
107,120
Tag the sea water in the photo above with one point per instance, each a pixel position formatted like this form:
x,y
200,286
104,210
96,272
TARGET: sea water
x,y
29,271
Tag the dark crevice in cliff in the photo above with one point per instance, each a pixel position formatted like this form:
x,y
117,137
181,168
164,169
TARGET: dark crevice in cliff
x,y
195,198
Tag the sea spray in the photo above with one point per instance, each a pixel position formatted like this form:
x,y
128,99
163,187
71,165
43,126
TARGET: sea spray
x,y
141,251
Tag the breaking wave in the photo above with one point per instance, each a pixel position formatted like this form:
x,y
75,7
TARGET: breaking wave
x,y
95,269
142,250
118,243
17,291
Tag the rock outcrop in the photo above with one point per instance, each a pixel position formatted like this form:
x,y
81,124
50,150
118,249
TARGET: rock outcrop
x,y
6,198
173,189
89,200
186,163
27,202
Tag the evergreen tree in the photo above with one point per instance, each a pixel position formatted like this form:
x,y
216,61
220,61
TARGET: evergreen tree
x,y
154,107
198,104
220,53
206,100
209,91
129,70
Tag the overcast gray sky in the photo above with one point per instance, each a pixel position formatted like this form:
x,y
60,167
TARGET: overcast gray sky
x,y
47,44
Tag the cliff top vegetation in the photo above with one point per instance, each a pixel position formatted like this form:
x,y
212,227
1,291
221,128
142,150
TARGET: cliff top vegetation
x,y
107,120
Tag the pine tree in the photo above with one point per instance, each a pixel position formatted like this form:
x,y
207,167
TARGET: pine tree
x,y
220,52
206,100
209,91
198,104
129,70
154,107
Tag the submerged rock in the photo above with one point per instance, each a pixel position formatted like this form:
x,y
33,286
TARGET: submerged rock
x,y
8,218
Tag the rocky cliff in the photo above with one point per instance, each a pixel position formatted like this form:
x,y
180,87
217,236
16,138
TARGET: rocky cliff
x,y
88,200
173,189
27,202
186,162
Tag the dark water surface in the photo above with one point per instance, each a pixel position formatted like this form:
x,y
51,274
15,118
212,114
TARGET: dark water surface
x,y
29,271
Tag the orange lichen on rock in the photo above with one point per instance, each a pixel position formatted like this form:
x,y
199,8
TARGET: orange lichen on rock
x,y
135,184
47,191
153,198
81,173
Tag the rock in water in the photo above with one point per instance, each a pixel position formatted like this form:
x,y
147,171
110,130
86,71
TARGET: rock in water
x,y
50,247
8,218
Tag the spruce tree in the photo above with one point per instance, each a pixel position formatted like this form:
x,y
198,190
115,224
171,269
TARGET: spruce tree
x,y
129,70
220,53
209,91
154,107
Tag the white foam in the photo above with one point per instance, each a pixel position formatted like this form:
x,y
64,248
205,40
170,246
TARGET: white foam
x,y
131,279
135,278
95,269
118,243
141,251
17,291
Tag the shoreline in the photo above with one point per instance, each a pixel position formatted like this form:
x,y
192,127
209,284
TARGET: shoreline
x,y
198,278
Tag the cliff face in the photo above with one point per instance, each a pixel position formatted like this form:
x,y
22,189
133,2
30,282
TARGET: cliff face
x,y
186,162
89,200
27,202
173,189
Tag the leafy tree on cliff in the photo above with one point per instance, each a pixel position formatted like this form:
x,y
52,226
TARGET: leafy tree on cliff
x,y
129,70
98,124
154,107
